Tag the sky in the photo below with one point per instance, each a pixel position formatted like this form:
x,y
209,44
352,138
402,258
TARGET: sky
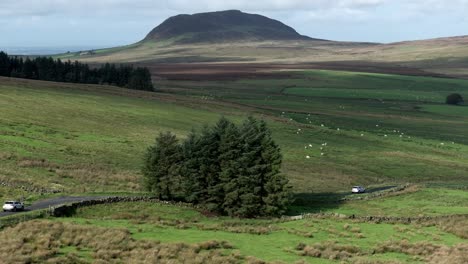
x,y
106,23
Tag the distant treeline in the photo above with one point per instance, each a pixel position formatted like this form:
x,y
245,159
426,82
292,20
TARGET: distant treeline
x,y
48,69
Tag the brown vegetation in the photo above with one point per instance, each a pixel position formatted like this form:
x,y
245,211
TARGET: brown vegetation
x,y
457,225
330,250
41,241
235,71
421,251
447,255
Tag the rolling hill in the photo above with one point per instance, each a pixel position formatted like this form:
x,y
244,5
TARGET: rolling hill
x,y
236,37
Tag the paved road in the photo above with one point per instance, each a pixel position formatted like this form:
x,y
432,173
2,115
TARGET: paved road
x,y
44,204
378,189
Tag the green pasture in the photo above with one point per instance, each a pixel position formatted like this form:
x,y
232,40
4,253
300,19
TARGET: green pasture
x,y
268,240
71,139
416,201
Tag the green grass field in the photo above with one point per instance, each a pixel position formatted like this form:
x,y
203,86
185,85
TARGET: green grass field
x,y
277,240
82,139
335,129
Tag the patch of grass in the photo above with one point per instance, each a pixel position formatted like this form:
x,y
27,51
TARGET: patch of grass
x,y
421,202
71,252
334,239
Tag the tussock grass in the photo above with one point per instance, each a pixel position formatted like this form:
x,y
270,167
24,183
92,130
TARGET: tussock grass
x,y
274,239
457,225
330,250
445,255
41,241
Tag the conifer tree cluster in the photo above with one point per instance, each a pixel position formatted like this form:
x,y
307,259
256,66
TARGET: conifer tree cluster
x,y
48,69
228,169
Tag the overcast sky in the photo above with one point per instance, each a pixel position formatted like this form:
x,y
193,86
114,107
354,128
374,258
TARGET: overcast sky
x,y
51,23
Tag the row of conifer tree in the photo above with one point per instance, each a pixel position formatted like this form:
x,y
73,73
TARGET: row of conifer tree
x,y
228,169
48,69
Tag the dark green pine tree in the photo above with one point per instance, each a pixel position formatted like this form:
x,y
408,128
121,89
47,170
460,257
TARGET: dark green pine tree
x,y
209,168
140,79
276,192
16,67
230,165
193,183
218,137
263,191
4,64
29,69
161,167
249,178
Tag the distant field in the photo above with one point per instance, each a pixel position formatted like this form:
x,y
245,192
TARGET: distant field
x,y
443,56
79,138
377,87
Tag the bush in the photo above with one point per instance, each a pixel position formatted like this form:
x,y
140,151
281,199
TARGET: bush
x,y
454,99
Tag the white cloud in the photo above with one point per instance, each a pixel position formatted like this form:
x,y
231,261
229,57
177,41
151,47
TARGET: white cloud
x,y
126,21
57,7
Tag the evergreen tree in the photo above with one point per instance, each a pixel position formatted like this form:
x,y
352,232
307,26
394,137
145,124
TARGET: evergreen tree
x,y
4,64
250,171
161,165
16,66
209,167
48,69
261,186
230,166
275,192
215,190
193,183
29,69
140,79
227,169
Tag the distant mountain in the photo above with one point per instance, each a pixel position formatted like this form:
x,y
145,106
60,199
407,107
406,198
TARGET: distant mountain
x,y
223,26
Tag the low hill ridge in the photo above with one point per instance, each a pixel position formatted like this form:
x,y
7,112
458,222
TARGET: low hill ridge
x,y
222,26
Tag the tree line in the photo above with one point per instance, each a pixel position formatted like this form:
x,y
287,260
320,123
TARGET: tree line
x,y
48,69
228,169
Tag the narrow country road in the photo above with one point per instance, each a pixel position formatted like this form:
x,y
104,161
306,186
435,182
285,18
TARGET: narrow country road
x,y
44,204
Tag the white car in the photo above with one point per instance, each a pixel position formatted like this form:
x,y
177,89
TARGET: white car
x,y
358,189
13,206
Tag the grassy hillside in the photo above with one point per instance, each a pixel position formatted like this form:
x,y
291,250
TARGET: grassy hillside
x,y
79,138
371,125
444,56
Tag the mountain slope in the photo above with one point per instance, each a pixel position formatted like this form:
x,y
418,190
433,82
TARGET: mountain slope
x,y
234,36
222,26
